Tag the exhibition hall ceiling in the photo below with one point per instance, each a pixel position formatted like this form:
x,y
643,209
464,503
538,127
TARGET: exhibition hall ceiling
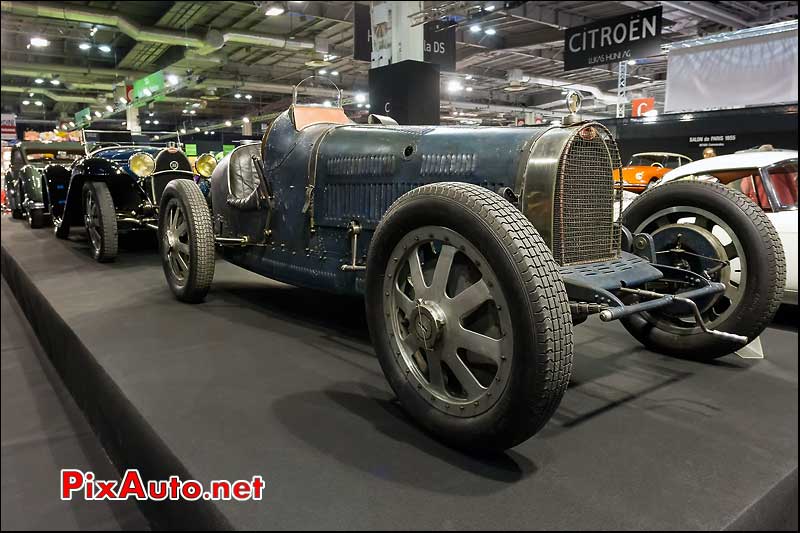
x,y
91,47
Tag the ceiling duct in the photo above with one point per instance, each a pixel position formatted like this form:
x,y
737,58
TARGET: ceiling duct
x,y
213,41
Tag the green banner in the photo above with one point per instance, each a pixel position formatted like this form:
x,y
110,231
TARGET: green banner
x,y
227,148
191,149
146,87
84,116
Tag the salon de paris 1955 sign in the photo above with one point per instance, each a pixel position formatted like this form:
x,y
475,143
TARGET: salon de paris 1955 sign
x,y
612,40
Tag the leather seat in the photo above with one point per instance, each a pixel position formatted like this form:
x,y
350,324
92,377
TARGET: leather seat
x,y
243,180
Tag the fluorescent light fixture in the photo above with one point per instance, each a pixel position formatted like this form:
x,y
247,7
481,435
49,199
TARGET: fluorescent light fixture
x,y
453,86
248,97
38,81
274,10
323,72
173,79
104,48
490,31
39,42
109,108
245,120
237,95
155,122
38,102
475,28
26,102
361,98
84,46
228,123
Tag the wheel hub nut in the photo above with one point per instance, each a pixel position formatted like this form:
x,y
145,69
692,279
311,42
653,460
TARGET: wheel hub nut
x,y
428,321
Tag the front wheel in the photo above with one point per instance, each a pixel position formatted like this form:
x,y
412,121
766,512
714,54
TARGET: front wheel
x,y
468,315
100,220
719,233
186,241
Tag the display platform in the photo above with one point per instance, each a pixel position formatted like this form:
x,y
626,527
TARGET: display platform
x,y
267,379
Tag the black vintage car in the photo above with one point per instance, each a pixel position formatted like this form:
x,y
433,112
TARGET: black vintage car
x,y
477,250
116,189
36,167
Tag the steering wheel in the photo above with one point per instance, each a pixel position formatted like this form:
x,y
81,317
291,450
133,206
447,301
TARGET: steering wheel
x,y
657,165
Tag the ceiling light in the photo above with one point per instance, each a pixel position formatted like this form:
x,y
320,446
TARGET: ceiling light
x,y
55,82
327,103
237,95
109,109
196,128
323,72
39,42
93,31
334,73
490,31
155,122
38,81
469,89
361,97
228,123
173,79
490,7
30,94
72,124
26,102
454,86
98,114
123,123
84,46
150,113
104,48
205,133
183,130
196,104
155,137
147,121
366,105
192,112
245,120
248,96
468,77
631,61
475,28
360,105
274,10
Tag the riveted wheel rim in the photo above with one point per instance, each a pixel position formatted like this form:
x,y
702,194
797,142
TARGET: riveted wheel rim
x,y
176,242
92,220
448,321
734,275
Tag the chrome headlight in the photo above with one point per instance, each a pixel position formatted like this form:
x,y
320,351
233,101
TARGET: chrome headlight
x,y
205,165
142,164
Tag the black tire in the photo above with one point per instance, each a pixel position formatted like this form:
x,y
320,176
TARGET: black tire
x,y
185,197
764,281
37,218
102,235
17,214
537,301
61,229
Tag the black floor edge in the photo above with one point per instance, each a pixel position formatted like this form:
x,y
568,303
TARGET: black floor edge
x,y
127,438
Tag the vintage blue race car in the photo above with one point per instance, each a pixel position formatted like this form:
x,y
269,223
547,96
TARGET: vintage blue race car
x,y
117,189
477,250
36,169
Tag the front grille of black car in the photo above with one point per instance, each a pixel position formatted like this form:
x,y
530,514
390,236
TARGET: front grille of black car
x,y
165,158
584,229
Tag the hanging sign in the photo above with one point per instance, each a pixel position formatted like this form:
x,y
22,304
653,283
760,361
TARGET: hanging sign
x,y
9,126
147,87
440,44
613,40
84,116
362,32
640,106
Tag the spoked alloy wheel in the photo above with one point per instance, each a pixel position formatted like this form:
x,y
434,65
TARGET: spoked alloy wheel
x,y
100,220
186,240
449,322
468,316
720,234
176,242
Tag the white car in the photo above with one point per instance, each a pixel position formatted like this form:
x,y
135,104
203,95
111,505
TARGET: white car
x,y
769,178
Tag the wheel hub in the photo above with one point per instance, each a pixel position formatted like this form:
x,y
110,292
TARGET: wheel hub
x,y
428,321
171,239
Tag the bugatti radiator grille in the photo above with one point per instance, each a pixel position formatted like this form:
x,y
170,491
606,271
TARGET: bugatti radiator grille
x,y
584,229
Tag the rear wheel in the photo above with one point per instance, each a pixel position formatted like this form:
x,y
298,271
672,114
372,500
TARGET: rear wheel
x,y
468,315
100,220
186,241
721,234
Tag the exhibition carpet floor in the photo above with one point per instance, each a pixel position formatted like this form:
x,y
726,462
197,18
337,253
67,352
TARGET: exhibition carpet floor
x,y
43,431
268,379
